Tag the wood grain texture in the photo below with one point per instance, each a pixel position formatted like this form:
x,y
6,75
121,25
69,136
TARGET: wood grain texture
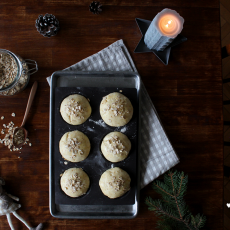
x,y
187,95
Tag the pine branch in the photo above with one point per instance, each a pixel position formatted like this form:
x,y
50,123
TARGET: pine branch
x,y
164,213
151,204
173,210
201,222
198,221
182,178
164,191
171,175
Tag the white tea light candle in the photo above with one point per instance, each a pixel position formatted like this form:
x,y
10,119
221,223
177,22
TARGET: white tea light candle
x,y
163,29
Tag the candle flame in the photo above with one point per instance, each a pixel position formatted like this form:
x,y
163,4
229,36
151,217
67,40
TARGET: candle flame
x,y
169,22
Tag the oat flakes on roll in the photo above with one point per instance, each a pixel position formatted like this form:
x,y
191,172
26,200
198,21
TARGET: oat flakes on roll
x,y
115,147
74,182
75,109
116,109
114,182
74,146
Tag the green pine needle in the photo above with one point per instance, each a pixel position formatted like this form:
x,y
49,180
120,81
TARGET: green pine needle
x,y
172,209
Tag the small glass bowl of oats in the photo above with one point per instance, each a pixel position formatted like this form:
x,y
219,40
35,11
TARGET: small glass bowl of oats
x,y
14,72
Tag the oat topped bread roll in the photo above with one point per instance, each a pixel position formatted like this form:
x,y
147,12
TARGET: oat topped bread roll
x,y
74,146
115,146
74,182
75,109
116,109
114,182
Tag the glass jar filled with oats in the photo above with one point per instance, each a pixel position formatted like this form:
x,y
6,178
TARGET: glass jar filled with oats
x,y
14,72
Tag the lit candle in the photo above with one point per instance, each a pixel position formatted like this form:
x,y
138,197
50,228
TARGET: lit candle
x,y
163,29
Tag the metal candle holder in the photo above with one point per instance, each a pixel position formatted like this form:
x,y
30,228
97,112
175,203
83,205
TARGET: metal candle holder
x,y
162,55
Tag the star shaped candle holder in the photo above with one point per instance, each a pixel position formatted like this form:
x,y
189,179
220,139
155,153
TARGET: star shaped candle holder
x,y
162,55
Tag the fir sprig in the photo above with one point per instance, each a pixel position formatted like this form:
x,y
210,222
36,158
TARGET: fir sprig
x,y
172,210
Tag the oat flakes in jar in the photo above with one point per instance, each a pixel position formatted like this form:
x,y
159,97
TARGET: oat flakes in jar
x,y
14,72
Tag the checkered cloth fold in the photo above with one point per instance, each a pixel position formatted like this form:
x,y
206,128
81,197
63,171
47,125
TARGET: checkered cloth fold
x,y
156,152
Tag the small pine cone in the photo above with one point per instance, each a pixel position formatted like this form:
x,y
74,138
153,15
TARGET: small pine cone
x,y
47,25
95,7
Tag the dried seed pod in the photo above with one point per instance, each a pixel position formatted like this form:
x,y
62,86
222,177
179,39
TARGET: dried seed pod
x,y
47,25
95,7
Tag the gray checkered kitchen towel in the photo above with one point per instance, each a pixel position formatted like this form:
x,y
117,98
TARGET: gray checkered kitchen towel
x,y
157,154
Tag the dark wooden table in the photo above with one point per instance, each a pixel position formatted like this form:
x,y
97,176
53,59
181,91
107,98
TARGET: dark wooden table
x,y
187,95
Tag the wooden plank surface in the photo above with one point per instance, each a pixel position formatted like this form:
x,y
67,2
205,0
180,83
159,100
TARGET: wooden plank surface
x,y
187,95
225,39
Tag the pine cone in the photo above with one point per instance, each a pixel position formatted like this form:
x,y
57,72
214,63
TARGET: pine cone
x,y
47,25
95,7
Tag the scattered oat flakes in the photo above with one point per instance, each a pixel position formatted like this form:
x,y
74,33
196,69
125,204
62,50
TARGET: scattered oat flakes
x,y
74,108
65,162
116,183
30,144
73,145
19,157
120,91
117,107
8,138
75,183
13,115
2,117
115,146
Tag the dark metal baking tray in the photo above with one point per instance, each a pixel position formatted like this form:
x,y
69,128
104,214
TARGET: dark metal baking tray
x,y
93,86
95,129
